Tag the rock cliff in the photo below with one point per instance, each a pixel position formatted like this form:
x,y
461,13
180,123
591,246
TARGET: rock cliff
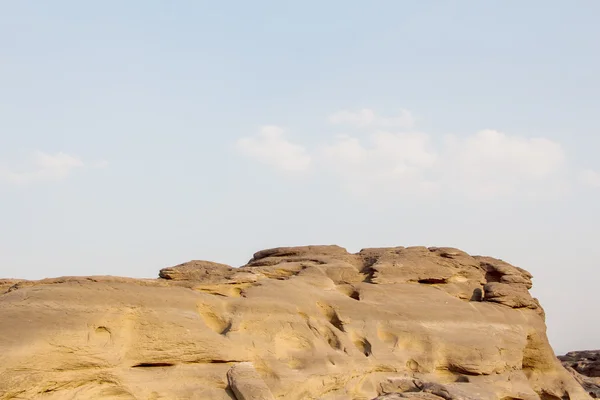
x,y
311,322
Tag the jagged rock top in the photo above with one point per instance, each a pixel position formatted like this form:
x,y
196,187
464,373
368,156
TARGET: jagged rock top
x,y
471,278
300,323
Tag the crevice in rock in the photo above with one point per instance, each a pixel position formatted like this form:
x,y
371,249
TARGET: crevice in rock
x,y
153,365
433,281
364,346
367,269
171,364
369,274
335,321
458,369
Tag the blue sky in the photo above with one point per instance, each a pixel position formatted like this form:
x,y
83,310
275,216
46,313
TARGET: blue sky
x,y
138,135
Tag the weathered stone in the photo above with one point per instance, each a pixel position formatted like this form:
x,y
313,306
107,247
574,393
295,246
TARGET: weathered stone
x,y
197,270
247,384
316,322
585,368
585,362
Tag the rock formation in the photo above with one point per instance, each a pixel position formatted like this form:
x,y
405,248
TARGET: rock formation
x,y
585,367
311,322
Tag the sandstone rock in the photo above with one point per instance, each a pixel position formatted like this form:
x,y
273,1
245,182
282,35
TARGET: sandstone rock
x,y
246,383
459,391
400,384
585,362
515,296
315,322
416,396
197,270
503,272
585,368
6,284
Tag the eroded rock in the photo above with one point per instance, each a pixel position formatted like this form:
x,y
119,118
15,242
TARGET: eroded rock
x,y
585,368
247,384
315,322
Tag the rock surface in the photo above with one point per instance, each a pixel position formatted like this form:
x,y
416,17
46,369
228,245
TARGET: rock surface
x,y
585,367
313,322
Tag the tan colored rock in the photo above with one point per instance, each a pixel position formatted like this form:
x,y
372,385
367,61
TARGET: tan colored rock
x,y
247,384
197,270
315,322
400,384
515,296
6,284
590,385
585,368
460,391
409,395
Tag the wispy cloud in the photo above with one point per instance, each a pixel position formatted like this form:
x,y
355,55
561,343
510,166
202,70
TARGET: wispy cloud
x,y
270,147
493,163
42,167
487,163
484,164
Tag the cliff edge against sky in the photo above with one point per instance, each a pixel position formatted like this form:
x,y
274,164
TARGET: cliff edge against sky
x,y
311,322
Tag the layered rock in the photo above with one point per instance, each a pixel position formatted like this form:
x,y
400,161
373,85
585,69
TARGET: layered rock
x,y
585,368
311,322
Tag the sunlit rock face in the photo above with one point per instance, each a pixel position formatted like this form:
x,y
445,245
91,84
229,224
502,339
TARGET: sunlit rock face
x,y
312,322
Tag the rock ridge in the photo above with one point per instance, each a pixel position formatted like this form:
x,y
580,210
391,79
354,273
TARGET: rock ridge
x,y
308,322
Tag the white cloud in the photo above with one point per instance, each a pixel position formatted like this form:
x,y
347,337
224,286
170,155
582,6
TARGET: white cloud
x,y
368,118
486,164
270,147
490,150
385,158
42,167
589,177
491,162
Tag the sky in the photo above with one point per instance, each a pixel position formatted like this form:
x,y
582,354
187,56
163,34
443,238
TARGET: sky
x,y
138,135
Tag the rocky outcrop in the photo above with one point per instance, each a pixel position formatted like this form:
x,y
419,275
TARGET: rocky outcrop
x,y
313,322
584,362
585,368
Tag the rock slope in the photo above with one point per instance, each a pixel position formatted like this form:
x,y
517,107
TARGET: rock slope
x,y
585,367
312,322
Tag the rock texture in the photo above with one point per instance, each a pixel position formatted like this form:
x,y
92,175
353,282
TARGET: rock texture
x,y
585,367
312,322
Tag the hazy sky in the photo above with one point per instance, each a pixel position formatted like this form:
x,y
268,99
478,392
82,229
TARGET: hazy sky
x,y
137,135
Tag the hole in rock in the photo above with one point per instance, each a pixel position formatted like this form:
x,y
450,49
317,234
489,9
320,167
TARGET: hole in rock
x,y
355,295
493,276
